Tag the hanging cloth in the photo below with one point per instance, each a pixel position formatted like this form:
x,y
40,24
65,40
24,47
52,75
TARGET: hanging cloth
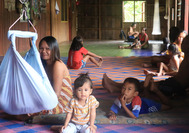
x,y
156,19
24,85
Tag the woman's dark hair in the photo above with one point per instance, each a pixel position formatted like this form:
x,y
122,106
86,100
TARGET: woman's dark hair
x,y
165,40
53,45
173,48
133,24
83,78
134,81
174,34
77,43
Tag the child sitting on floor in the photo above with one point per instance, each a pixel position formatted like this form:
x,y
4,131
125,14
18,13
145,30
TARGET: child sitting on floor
x,y
135,45
76,53
172,67
81,110
132,104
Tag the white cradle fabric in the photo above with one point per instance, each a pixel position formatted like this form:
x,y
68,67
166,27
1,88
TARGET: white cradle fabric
x,y
24,85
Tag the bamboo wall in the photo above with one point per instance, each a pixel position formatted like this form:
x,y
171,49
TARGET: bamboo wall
x,y
92,19
102,19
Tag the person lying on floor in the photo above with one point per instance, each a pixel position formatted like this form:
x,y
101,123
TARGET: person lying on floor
x,y
174,86
130,102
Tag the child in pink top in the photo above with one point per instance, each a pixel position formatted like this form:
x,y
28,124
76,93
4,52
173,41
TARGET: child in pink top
x,y
78,55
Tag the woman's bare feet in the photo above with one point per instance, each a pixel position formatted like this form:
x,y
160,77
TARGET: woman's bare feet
x,y
153,87
111,85
105,83
148,80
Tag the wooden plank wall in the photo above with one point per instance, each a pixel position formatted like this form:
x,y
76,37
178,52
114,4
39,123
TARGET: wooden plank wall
x,y
102,19
48,24
59,29
7,18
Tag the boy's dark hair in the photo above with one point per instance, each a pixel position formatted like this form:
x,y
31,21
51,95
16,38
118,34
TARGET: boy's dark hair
x,y
77,43
173,49
134,81
83,77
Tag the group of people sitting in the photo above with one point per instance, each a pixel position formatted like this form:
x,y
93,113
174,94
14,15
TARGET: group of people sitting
x,y
80,105
140,40
158,93
171,55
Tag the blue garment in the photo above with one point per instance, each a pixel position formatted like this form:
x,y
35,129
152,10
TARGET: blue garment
x,y
83,64
24,85
131,37
137,106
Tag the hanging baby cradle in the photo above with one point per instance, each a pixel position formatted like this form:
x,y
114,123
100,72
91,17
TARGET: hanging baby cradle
x,y
24,85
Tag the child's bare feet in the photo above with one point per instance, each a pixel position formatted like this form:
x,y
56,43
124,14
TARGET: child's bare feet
x,y
159,74
146,72
146,65
100,62
121,47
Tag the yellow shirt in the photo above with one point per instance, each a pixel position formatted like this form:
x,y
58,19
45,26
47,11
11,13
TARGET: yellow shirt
x,y
81,114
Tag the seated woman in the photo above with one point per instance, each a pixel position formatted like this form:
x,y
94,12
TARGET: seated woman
x,y
132,34
58,75
179,40
143,37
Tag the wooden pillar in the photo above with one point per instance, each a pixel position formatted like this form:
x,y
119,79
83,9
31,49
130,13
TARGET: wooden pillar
x,y
99,21
186,13
169,15
175,12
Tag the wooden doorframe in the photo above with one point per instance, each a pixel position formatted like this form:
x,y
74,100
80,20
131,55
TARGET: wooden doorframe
x,y
186,13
